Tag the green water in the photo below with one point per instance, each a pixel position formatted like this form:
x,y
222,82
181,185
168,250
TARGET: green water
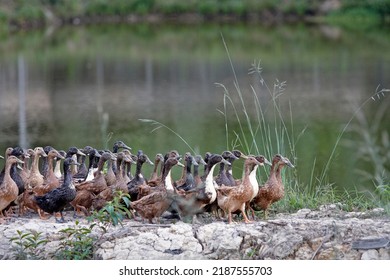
x,y
78,85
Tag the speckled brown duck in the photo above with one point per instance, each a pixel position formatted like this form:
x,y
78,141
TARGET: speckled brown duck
x,y
273,189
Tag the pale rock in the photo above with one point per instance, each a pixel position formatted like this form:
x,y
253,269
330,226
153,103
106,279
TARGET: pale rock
x,y
370,255
302,213
384,254
304,252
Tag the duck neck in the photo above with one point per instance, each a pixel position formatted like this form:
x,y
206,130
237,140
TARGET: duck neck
x,y
128,170
196,170
246,175
278,173
7,171
168,182
221,169
119,170
25,164
272,174
50,166
74,167
138,173
210,180
253,179
154,173
91,160
57,169
101,165
45,165
67,175
35,166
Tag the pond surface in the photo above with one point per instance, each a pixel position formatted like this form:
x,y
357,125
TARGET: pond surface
x,y
92,85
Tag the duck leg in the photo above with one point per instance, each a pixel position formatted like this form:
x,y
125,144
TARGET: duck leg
x,y
41,214
230,217
246,220
62,220
248,207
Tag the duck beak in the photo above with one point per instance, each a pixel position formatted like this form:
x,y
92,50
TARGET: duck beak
x,y
266,161
1,157
180,164
193,162
124,146
288,163
149,161
243,156
59,156
80,153
201,161
130,159
225,162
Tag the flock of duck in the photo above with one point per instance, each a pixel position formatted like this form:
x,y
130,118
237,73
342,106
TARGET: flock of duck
x,y
32,180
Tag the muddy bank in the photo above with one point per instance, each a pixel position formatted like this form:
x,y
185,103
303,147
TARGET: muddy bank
x,y
327,233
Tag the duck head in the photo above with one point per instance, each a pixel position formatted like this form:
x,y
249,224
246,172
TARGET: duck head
x,y
120,145
74,151
239,154
13,159
281,161
199,160
263,160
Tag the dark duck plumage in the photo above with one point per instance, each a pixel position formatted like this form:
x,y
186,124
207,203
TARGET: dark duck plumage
x,y
187,182
94,157
83,170
115,149
199,160
45,163
222,178
55,200
203,194
138,179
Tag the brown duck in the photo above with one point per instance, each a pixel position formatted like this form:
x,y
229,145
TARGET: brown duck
x,y
36,178
8,189
156,203
234,198
273,189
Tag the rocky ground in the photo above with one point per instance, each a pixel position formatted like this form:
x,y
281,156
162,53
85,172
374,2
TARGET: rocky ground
x,y
327,233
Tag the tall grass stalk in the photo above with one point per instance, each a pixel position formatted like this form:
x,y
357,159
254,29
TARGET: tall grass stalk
x,y
379,93
159,125
279,137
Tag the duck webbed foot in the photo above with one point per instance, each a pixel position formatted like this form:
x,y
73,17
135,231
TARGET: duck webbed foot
x,y
61,220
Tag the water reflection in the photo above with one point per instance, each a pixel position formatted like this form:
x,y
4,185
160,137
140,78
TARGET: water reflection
x,y
77,86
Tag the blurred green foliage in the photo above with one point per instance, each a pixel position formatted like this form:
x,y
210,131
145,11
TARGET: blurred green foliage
x,y
23,13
